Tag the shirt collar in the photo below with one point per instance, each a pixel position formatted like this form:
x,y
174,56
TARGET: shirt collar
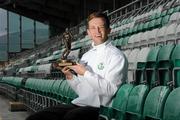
x,y
101,46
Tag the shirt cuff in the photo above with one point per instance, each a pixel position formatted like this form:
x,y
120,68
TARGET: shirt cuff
x,y
73,81
87,74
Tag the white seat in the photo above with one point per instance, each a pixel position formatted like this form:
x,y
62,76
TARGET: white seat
x,y
161,34
178,33
144,38
142,56
131,41
132,61
137,39
44,68
170,32
127,52
174,17
152,36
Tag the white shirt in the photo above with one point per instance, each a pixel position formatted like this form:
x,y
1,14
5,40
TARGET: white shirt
x,y
106,70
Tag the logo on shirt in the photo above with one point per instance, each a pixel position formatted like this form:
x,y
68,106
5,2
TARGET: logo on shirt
x,y
100,66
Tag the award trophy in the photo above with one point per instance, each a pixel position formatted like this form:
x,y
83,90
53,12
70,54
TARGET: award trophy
x,y
67,39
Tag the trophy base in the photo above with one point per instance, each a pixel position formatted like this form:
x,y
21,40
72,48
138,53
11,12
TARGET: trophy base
x,y
63,63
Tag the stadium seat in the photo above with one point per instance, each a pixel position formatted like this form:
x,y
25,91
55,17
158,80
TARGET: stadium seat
x,y
175,57
178,34
119,103
125,43
152,36
141,65
174,18
55,89
172,106
154,103
61,92
165,20
131,41
151,66
137,40
127,52
170,36
132,61
144,39
160,38
165,64
136,101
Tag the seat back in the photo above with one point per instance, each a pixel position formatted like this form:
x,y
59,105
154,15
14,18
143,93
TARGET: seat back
x,y
141,65
132,61
176,64
172,106
136,101
154,103
151,66
119,102
165,64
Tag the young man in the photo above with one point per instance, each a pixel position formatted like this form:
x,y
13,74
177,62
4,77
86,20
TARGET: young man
x,y
99,74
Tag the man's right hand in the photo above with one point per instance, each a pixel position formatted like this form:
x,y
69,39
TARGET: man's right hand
x,y
67,73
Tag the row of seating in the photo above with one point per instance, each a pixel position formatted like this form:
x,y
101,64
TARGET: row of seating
x,y
37,93
140,103
154,66
132,102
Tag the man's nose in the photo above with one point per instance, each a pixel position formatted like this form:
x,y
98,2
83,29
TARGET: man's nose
x,y
97,29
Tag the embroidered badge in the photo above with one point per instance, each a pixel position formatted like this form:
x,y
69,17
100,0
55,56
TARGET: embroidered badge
x,y
100,66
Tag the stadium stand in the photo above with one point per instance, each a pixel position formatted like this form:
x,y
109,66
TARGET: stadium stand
x,y
149,37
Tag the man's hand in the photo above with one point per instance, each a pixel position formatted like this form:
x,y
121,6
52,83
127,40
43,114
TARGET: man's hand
x,y
78,68
67,72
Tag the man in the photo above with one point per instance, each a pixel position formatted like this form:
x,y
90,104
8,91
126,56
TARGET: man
x,y
99,74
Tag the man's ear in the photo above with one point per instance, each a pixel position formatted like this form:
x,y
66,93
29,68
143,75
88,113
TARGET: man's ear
x,y
88,32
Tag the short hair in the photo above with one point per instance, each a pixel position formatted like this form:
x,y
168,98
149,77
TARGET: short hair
x,y
99,15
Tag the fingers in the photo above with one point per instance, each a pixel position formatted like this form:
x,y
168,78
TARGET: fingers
x,y
65,69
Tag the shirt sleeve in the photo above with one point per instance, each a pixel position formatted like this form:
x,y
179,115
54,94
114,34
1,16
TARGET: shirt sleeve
x,y
116,73
74,83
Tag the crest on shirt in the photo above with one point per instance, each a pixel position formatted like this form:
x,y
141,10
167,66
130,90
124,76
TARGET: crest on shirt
x,y
100,66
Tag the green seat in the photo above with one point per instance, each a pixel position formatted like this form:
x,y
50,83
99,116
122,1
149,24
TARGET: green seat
x,y
163,13
71,95
172,106
49,87
61,92
136,101
119,42
18,82
125,32
114,42
151,66
165,19
158,22
135,29
146,26
66,92
140,27
176,65
152,16
55,88
170,11
119,103
165,64
154,103
141,65
177,9
152,24
125,41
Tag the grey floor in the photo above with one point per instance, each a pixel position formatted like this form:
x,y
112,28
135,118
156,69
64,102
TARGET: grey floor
x,y
5,114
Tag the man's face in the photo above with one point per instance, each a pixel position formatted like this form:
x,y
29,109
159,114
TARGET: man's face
x,y
98,31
